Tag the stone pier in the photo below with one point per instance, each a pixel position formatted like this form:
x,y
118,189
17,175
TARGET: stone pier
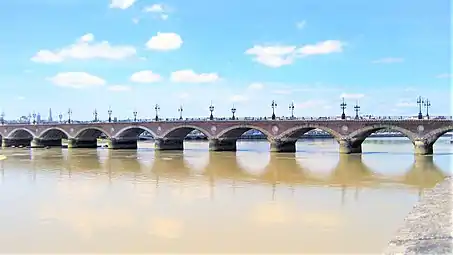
x,y
16,142
222,144
164,144
349,147
78,143
116,144
42,143
428,229
283,146
421,147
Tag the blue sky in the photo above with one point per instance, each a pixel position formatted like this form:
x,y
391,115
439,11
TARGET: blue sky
x,y
87,54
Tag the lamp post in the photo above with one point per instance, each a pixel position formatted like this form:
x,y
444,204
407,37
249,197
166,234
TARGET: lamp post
x,y
211,109
343,107
135,115
3,118
427,105
34,118
180,110
60,116
357,109
291,108
69,115
29,118
110,114
233,111
273,105
420,102
95,113
157,108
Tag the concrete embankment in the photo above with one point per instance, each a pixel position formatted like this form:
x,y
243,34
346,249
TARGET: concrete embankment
x,y
428,227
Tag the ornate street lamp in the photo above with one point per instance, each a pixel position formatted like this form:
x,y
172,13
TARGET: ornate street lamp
x,y
420,102
2,118
211,109
60,116
343,107
110,114
233,110
135,115
95,113
357,109
69,115
291,108
180,110
427,105
34,118
273,105
157,108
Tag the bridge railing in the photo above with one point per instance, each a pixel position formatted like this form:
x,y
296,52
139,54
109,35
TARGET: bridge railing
x,y
283,118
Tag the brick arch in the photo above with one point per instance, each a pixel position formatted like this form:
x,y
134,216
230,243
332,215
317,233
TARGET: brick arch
x,y
365,132
134,131
432,136
236,131
297,132
183,130
41,135
14,131
94,131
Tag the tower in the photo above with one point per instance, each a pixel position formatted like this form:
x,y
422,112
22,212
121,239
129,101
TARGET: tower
x,y
50,115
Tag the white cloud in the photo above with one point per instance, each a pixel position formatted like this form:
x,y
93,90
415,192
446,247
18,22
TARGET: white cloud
x,y
121,4
183,95
406,103
351,96
256,86
135,20
388,60
301,24
239,98
146,76
84,48
321,48
189,76
157,9
165,41
119,88
309,104
277,56
282,92
20,98
444,76
77,80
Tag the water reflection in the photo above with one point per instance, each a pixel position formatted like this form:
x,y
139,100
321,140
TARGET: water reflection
x,y
282,168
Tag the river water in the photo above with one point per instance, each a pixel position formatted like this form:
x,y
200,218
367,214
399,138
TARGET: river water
x,y
196,201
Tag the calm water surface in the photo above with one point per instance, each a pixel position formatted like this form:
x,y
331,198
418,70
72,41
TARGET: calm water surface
x,y
196,201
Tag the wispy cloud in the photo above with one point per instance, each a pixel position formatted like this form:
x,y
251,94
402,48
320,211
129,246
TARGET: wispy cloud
x,y
388,60
444,76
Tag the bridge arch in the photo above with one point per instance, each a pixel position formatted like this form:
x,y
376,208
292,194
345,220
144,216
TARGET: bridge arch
x,y
23,133
435,134
363,133
180,132
54,132
91,133
296,132
235,132
133,132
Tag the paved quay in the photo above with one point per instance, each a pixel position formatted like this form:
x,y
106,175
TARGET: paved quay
x,y
428,227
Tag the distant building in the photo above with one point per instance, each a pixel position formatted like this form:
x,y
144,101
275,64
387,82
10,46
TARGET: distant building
x,y
50,115
38,118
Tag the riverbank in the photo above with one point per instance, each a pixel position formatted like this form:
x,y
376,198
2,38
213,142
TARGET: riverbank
x,y
428,227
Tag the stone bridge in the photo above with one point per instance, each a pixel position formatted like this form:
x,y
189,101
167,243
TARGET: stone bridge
x,y
222,134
